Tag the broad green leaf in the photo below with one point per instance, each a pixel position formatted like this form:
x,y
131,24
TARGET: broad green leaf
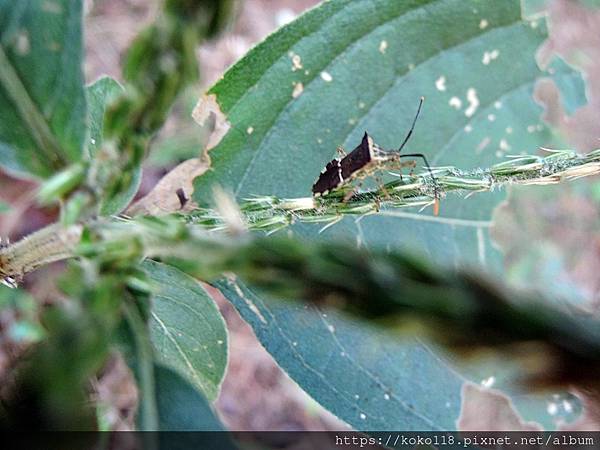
x,y
99,95
385,56
363,65
363,376
167,397
42,97
187,329
532,8
181,407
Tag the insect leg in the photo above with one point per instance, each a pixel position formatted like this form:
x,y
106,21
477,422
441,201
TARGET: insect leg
x,y
422,156
341,151
434,179
398,165
382,187
353,191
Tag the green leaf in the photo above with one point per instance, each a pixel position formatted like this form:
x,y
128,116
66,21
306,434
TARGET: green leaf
x,y
25,327
42,97
99,95
181,407
167,399
4,207
187,329
591,3
385,56
365,63
363,376
114,205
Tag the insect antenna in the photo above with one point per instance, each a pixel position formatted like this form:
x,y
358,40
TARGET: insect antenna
x,y
412,127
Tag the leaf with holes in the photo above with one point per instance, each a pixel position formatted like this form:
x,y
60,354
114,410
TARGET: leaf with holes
x,y
186,328
351,66
42,97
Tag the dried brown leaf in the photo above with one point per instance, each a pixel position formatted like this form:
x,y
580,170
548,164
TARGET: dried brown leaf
x,y
485,409
164,197
207,112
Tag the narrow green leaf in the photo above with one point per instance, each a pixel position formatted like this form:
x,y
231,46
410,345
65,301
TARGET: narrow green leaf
x,y
117,203
99,95
348,67
61,184
187,329
42,98
141,358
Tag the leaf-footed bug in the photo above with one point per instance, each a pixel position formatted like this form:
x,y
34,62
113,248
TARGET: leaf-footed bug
x,y
367,159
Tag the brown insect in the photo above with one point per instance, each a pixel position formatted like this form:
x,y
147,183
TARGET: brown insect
x,y
366,160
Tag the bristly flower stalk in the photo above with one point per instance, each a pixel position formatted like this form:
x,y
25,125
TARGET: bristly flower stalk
x,y
458,309
270,213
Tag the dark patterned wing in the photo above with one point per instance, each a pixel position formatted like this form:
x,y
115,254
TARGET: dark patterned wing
x,y
330,178
357,158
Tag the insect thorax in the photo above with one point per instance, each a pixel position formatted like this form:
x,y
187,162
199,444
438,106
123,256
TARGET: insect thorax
x,y
364,160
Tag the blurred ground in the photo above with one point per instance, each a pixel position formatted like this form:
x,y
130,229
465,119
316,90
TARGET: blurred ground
x,y
256,394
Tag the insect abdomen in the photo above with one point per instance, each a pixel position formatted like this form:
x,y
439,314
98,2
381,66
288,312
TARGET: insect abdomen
x,y
330,178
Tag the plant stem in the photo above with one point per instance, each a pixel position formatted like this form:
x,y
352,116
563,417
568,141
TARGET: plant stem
x,y
148,416
458,309
53,243
269,213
